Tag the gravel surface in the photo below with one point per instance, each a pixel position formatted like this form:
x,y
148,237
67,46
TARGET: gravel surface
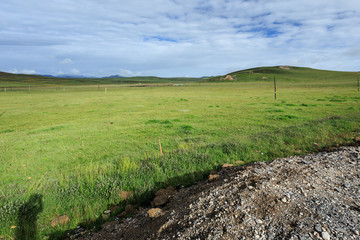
x,y
306,197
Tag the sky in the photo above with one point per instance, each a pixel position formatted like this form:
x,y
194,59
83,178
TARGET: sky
x,y
182,38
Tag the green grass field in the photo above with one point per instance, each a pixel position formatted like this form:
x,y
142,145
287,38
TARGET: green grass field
x,y
78,148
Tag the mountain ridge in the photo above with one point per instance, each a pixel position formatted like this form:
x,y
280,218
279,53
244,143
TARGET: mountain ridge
x,y
282,73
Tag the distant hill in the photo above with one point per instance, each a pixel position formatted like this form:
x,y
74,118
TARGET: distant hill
x,y
113,76
71,76
21,80
284,73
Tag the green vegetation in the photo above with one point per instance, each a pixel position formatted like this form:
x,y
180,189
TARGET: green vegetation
x,y
18,81
75,150
307,76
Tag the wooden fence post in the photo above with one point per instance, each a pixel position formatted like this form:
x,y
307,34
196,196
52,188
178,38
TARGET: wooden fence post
x,y
275,87
161,153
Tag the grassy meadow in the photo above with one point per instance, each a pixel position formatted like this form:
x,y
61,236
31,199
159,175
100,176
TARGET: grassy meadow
x,y
77,148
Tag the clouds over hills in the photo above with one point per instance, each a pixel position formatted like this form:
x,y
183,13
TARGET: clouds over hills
x,y
177,38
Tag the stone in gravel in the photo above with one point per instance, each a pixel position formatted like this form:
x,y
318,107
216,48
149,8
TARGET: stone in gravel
x,y
107,211
155,212
160,200
213,177
125,195
227,165
284,200
318,228
325,235
170,190
161,192
60,220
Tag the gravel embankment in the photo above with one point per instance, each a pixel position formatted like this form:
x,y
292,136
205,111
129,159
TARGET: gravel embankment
x,y
308,197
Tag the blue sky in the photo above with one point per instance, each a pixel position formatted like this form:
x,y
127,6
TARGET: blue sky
x,y
176,37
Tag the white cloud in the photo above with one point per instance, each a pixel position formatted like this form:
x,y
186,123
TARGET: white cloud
x,y
128,73
177,38
66,61
24,71
75,71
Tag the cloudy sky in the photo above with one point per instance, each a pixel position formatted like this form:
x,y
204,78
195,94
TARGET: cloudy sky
x,y
176,37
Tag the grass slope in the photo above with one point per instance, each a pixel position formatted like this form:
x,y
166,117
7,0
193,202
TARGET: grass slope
x,y
73,152
293,74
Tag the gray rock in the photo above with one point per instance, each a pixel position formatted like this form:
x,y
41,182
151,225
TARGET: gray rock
x,y
318,228
325,235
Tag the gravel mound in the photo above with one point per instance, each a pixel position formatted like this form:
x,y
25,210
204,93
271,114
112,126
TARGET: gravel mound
x,y
307,197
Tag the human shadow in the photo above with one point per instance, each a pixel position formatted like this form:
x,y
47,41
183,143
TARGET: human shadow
x,y
27,218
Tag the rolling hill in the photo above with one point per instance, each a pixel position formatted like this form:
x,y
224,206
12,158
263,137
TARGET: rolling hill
x,y
21,80
282,73
288,74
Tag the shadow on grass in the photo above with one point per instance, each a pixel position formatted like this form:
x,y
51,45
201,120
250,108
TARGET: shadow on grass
x,y
27,218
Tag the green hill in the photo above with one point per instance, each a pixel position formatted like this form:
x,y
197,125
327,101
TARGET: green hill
x,y
287,74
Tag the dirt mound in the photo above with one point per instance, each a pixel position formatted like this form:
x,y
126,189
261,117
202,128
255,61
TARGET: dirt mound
x,y
227,78
309,197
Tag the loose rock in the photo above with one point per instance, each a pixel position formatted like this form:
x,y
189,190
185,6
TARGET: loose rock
x,y
213,177
160,201
239,162
155,212
227,165
325,235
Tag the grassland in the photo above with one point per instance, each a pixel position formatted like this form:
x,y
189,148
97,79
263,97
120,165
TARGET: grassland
x,y
78,148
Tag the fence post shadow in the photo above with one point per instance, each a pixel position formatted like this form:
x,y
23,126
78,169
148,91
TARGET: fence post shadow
x,y
27,218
